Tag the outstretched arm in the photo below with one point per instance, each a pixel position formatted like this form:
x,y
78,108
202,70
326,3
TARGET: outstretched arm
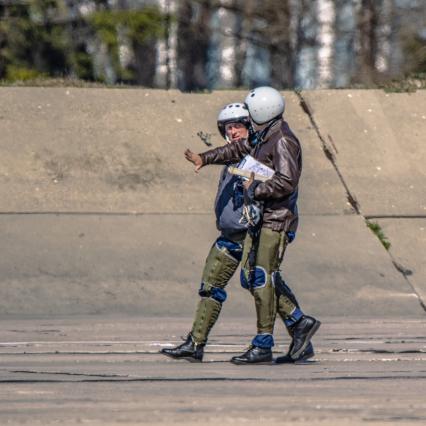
x,y
230,153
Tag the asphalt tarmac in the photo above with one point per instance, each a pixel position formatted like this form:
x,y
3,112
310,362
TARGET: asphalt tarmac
x,y
101,370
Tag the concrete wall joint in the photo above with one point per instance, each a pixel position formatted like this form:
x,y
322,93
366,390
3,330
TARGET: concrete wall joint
x,y
328,152
328,149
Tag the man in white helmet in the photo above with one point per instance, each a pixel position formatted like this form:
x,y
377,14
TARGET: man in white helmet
x,y
275,145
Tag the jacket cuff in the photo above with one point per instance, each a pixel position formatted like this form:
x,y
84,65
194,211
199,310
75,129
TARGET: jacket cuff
x,y
203,158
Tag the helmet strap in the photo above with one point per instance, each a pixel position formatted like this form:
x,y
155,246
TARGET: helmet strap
x,y
262,133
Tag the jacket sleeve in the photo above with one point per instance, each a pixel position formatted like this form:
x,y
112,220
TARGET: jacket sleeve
x,y
287,164
229,153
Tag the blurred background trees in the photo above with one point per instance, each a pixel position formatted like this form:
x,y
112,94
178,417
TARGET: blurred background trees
x,y
197,45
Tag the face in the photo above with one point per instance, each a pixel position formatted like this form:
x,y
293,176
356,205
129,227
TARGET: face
x,y
236,131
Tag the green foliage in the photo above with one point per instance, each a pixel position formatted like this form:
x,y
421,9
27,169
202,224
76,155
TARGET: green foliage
x,y
38,39
415,54
32,43
45,81
15,73
378,231
137,26
414,72
409,84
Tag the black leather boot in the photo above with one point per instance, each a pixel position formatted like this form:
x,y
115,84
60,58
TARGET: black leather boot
x,y
304,356
188,350
302,333
254,355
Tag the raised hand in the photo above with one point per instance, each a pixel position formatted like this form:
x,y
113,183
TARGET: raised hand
x,y
194,159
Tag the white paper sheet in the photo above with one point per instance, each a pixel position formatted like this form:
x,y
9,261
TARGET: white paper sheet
x,y
252,165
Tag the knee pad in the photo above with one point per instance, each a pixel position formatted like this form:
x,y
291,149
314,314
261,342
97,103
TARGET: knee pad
x,y
258,281
216,293
232,248
220,266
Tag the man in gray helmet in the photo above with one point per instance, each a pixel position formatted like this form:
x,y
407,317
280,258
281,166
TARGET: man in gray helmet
x,y
225,254
274,145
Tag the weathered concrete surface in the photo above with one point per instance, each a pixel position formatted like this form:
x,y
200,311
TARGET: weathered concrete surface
x,y
338,268
94,263
321,192
408,239
378,140
96,156
152,264
107,371
122,150
103,150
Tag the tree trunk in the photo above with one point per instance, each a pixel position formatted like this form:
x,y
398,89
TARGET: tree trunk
x,y
244,22
368,20
193,43
307,45
344,46
145,55
280,47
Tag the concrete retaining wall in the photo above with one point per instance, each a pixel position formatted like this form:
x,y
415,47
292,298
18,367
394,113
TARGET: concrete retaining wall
x,y
101,213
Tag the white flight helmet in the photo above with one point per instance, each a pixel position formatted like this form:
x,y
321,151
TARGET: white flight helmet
x,y
232,113
264,104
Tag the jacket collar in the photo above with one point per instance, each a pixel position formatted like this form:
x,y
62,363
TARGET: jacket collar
x,y
270,129
276,126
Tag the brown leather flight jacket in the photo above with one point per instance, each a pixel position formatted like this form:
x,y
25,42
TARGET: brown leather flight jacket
x,y
280,150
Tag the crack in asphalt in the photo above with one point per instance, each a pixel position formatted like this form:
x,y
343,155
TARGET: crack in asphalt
x,y
379,351
224,352
100,213
68,373
396,216
216,379
393,418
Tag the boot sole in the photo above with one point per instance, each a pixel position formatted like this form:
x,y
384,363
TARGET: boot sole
x,y
304,360
185,358
290,360
252,363
311,332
